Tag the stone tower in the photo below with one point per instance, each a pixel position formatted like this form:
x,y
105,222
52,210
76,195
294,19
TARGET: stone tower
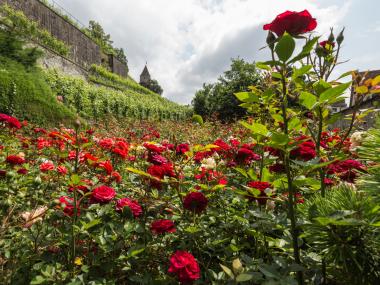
x,y
145,77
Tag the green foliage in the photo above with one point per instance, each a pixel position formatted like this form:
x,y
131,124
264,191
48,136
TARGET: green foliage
x,y
339,228
24,93
96,32
153,86
219,99
103,76
96,102
19,24
12,47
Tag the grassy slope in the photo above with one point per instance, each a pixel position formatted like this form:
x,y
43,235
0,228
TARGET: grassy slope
x,y
25,94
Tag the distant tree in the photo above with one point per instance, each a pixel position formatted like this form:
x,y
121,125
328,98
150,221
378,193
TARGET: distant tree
x,y
97,33
154,86
120,55
219,99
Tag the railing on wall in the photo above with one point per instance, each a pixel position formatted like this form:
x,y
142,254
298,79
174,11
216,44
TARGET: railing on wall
x,y
63,12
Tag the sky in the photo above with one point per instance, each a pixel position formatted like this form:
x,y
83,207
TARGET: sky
x,y
190,42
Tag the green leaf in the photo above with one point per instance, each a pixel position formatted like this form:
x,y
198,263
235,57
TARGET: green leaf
x,y
227,271
294,124
307,48
269,271
256,128
91,224
247,97
279,139
301,71
308,100
285,47
135,251
244,277
333,93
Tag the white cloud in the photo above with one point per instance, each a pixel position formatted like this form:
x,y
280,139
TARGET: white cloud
x,y
188,42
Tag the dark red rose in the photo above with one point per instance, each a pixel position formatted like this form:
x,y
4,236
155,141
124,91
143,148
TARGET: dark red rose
x,y
22,171
68,206
102,194
3,173
133,205
15,159
295,23
245,155
304,151
182,148
185,266
162,226
277,168
195,201
156,159
325,45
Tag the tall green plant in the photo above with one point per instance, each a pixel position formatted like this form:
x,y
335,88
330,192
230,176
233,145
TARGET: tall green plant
x,y
292,110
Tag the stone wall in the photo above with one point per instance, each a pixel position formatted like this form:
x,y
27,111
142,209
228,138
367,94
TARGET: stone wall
x,y
117,66
84,51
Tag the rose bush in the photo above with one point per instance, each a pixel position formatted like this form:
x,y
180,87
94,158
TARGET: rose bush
x,y
255,202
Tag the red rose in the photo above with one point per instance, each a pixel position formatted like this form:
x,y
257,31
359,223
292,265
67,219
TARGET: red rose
x,y
195,201
222,146
47,166
134,206
162,226
68,206
182,148
62,170
294,23
154,148
103,194
116,176
106,165
15,159
12,122
185,266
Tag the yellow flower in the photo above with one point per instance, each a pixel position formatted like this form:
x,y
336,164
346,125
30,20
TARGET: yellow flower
x,y
78,261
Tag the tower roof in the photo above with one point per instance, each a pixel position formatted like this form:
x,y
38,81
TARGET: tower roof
x,y
145,72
